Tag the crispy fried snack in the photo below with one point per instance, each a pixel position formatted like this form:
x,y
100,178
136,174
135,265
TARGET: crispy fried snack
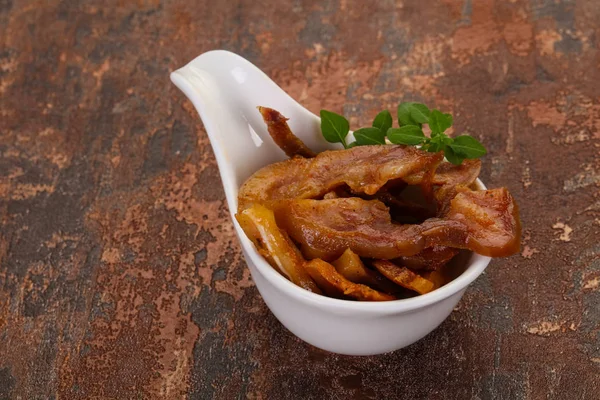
x,y
486,222
436,277
403,210
385,202
350,266
326,228
431,258
492,220
447,182
444,195
404,277
450,174
331,195
364,169
282,134
335,285
258,222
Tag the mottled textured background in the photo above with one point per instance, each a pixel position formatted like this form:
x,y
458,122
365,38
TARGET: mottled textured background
x,y
120,275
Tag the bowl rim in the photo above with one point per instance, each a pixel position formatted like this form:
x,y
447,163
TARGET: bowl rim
x,y
477,264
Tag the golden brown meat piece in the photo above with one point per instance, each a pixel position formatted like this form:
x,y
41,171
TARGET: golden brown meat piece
x,y
436,277
364,169
351,267
404,277
403,210
444,195
431,258
452,179
447,182
486,222
450,174
259,224
492,220
463,174
335,285
282,134
326,228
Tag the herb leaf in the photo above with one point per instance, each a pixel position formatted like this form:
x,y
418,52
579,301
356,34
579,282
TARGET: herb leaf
x,y
408,134
411,117
383,121
404,117
467,147
439,122
368,136
452,156
334,127
413,114
435,145
419,113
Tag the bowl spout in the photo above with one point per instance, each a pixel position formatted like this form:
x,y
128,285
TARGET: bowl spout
x,y
225,90
234,141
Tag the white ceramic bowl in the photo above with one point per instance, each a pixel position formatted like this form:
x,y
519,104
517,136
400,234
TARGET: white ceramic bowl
x,y
225,89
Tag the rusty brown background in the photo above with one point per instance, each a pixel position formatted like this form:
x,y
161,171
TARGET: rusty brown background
x,y
120,274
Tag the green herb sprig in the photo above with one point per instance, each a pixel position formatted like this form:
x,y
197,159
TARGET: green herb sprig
x,y
411,117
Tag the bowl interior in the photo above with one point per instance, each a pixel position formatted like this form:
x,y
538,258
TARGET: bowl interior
x,y
463,269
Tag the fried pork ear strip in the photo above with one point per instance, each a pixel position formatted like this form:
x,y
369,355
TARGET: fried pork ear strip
x,y
326,228
335,285
404,211
404,277
364,169
452,179
450,174
486,222
282,134
350,266
258,223
430,259
463,174
448,181
492,220
436,277
444,195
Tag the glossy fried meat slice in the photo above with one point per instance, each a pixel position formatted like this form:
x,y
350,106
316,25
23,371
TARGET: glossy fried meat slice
x,y
326,228
492,220
431,258
335,285
403,210
364,169
404,276
444,195
258,222
447,181
450,174
282,134
351,267
452,179
436,277
486,222
463,174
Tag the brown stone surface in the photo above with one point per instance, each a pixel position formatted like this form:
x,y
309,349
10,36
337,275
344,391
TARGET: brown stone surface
x,y
120,276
